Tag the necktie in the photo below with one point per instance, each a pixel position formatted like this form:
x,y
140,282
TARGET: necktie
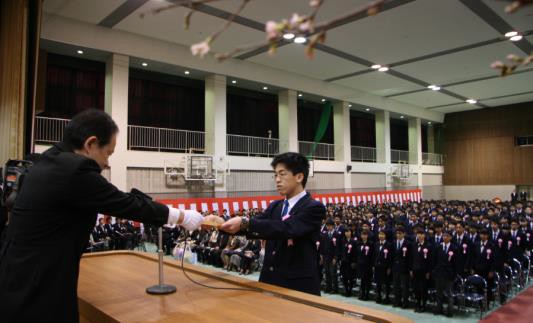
x,y
398,245
285,208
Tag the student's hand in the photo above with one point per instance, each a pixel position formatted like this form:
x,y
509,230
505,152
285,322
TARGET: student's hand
x,y
231,226
212,221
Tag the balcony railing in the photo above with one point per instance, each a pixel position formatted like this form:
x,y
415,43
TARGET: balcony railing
x,y
49,130
321,151
252,146
364,154
399,156
433,159
165,139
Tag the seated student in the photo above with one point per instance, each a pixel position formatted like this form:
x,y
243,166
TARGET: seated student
x,y
250,254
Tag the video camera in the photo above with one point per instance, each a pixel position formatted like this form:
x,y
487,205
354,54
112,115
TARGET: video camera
x,y
12,178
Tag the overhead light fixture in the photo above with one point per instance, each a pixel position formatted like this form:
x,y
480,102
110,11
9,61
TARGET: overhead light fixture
x,y
383,69
234,82
288,36
511,34
367,109
401,117
516,38
300,40
300,95
265,87
434,87
471,101
349,105
144,64
375,66
79,51
323,100
187,72
429,122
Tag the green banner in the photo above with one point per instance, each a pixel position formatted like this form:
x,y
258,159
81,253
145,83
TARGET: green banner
x,y
322,126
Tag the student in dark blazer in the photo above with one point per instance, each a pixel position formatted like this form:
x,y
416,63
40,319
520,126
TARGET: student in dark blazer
x,y
444,272
348,262
53,216
291,227
330,254
420,269
383,253
484,260
400,268
364,264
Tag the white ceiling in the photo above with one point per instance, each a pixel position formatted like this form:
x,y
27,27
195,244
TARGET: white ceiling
x,y
407,31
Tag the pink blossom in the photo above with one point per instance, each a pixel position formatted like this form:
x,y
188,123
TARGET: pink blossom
x,y
349,248
200,49
366,250
271,29
334,241
295,20
488,253
385,252
496,65
314,3
404,251
306,26
290,243
464,248
317,245
518,241
509,244
500,242
425,250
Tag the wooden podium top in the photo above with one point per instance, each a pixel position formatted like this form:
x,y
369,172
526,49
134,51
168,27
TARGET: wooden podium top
x,y
112,288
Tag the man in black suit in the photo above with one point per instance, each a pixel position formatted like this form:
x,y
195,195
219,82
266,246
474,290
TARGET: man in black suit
x,y
54,214
330,254
523,196
465,249
382,266
348,262
420,269
291,227
444,272
364,264
484,260
514,197
400,268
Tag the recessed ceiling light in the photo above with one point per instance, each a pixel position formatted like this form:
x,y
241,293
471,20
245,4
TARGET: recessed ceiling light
x,y
288,36
265,87
367,109
79,51
187,72
383,69
349,105
300,95
516,38
323,100
434,87
401,117
144,64
429,122
471,101
511,34
234,82
300,40
375,66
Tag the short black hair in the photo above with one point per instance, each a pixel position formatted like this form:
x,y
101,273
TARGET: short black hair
x,y
296,163
90,122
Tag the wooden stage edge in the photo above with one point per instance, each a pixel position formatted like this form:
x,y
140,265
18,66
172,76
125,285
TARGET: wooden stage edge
x,y
94,309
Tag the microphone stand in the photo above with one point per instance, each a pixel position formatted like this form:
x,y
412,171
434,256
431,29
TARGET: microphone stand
x,y
161,288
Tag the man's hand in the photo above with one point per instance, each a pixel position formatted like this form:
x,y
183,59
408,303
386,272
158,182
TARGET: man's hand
x,y
232,226
211,221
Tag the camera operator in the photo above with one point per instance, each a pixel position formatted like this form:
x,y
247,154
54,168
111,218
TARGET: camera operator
x,y
54,214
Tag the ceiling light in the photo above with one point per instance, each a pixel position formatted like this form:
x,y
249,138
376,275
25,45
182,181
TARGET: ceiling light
x,y
429,122
234,82
288,36
516,38
511,34
265,87
376,66
300,95
434,87
401,117
144,64
349,105
383,69
323,100
367,109
300,40
187,72
79,51
471,101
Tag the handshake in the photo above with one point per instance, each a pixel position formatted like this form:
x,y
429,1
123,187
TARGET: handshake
x,y
191,220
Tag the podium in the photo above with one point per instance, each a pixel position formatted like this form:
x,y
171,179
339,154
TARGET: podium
x,y
111,288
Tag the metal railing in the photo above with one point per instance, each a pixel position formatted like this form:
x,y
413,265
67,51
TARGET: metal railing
x,y
49,130
397,156
364,154
165,139
433,159
252,146
322,151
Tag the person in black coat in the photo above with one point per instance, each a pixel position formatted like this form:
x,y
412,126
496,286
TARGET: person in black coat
x,y
330,253
364,264
514,197
400,268
444,272
523,196
465,249
420,269
53,216
349,262
484,260
382,266
290,226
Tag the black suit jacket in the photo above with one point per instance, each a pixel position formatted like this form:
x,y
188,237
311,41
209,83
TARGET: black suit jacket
x,y
50,225
445,262
292,266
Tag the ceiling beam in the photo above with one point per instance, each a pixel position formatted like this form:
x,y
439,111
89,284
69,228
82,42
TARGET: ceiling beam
x,y
120,13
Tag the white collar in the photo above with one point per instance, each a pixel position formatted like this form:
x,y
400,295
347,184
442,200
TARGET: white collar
x,y
293,200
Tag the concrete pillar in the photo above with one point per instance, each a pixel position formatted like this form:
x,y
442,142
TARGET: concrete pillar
x,y
116,105
287,120
383,137
415,146
341,139
215,119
